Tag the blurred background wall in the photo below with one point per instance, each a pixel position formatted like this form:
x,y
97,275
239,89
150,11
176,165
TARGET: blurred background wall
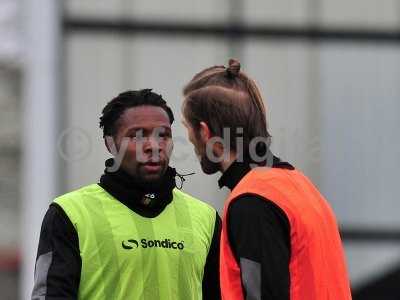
x,y
329,72
10,147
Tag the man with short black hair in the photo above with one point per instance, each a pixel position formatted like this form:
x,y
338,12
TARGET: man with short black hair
x,y
133,235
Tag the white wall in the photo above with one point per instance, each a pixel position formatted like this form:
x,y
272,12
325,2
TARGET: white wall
x,y
173,10
10,81
360,105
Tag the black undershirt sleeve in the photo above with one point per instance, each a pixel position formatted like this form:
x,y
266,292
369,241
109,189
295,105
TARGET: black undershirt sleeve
x,y
58,263
259,233
211,286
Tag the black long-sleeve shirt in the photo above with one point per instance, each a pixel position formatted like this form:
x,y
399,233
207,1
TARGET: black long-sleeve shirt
x,y
59,237
259,233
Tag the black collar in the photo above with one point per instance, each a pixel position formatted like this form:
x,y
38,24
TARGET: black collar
x,y
147,200
237,170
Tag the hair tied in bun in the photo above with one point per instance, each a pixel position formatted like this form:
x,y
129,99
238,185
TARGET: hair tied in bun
x,y
233,69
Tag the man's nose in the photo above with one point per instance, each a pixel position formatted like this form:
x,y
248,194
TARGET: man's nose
x,y
152,143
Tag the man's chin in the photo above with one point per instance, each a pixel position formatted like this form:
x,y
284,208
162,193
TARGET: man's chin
x,y
209,167
152,178
209,171
152,175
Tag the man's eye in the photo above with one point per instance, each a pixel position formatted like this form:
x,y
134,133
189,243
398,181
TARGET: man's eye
x,y
165,135
136,136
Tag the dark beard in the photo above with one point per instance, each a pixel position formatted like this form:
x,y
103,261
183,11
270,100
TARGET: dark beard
x,y
208,166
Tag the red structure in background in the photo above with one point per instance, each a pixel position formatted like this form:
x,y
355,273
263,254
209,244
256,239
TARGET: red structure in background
x,y
10,260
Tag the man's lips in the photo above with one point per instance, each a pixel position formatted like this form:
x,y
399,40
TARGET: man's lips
x,y
152,166
152,163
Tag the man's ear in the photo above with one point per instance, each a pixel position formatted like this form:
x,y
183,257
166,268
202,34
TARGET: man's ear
x,y
205,132
110,144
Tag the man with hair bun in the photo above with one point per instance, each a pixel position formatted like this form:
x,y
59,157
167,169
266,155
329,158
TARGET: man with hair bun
x,y
280,237
133,235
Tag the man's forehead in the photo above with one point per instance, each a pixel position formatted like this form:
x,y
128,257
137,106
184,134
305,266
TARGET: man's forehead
x,y
145,116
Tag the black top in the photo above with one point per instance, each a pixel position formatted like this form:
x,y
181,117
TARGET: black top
x,y
259,233
59,238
